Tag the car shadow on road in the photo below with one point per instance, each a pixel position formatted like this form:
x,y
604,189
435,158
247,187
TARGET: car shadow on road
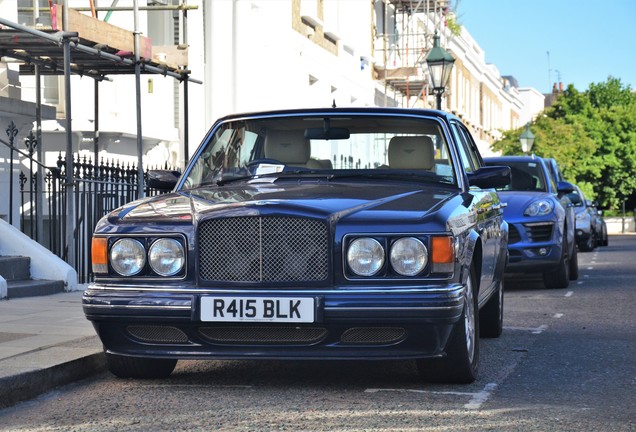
x,y
523,282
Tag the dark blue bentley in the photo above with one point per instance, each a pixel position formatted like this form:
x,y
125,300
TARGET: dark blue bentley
x,y
541,221
369,234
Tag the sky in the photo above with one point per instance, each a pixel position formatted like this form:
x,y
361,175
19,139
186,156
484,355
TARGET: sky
x,y
540,42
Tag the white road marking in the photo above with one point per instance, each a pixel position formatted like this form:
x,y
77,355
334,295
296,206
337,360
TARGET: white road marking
x,y
533,330
558,315
569,293
475,402
481,397
590,268
579,282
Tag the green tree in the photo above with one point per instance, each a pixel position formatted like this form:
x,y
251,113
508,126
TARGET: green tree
x,y
592,135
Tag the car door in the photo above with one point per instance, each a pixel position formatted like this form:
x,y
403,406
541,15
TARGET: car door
x,y
489,214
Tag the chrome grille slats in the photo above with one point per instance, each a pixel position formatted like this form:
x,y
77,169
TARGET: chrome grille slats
x,y
263,249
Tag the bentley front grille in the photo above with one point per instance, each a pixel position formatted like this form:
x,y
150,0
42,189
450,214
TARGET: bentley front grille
x,y
263,249
264,335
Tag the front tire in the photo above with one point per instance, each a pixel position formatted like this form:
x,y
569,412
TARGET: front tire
x,y
462,352
574,265
588,244
491,315
139,367
559,277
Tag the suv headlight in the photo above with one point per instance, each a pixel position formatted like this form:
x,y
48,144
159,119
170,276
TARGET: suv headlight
x,y
365,256
540,207
127,256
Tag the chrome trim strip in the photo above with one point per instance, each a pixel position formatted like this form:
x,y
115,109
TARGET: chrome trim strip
x,y
451,290
128,306
395,309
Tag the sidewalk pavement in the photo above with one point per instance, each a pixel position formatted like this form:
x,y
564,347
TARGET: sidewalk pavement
x,y
45,342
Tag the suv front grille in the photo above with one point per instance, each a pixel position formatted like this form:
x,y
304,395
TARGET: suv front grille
x,y
263,249
513,234
539,232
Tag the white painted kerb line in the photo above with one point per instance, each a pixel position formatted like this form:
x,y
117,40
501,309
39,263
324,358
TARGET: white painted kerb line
x,y
533,330
476,399
569,293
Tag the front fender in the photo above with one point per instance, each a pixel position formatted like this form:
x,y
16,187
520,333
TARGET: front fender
x,y
469,252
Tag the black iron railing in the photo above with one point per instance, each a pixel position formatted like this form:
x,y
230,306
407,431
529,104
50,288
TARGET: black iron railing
x,y
98,189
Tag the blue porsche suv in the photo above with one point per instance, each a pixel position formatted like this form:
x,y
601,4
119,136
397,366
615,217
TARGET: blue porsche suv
x,y
540,219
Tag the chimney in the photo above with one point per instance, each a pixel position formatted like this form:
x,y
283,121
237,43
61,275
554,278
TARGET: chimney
x,y
560,87
554,88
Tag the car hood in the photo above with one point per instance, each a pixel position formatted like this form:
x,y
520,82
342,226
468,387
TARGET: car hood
x,y
334,201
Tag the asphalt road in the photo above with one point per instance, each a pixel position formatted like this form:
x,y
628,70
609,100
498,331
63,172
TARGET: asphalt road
x,y
566,362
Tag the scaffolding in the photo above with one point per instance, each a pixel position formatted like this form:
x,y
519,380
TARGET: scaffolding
x,y
76,43
404,36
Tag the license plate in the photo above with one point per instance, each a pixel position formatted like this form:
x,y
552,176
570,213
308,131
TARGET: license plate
x,y
259,309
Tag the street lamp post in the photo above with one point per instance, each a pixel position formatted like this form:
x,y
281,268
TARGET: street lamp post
x,y
440,64
527,139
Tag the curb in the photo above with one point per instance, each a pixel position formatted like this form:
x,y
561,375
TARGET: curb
x,y
27,385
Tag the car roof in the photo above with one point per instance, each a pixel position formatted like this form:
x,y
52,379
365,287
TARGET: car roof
x,y
347,110
498,159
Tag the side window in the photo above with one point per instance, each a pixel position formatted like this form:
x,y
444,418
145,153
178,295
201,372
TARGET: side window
x,y
472,147
464,149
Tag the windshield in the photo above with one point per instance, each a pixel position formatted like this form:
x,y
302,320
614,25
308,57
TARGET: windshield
x,y
334,147
526,176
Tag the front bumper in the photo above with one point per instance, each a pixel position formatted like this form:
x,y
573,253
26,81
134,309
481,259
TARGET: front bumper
x,y
371,323
533,248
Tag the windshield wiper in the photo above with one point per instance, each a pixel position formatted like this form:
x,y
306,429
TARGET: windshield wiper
x,y
291,173
229,179
427,177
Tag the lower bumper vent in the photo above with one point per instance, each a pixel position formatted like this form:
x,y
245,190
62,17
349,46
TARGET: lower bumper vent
x,y
373,335
157,334
264,335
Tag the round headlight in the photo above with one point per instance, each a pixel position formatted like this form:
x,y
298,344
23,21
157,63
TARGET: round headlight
x,y
128,257
365,256
166,257
539,208
408,256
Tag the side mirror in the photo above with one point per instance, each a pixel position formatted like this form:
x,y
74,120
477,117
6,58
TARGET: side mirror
x,y
564,188
164,180
575,199
490,177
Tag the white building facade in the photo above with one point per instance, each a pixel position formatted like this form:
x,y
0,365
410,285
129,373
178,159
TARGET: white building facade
x,y
255,55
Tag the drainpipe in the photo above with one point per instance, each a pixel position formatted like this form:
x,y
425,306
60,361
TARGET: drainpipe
x,y
140,168
70,184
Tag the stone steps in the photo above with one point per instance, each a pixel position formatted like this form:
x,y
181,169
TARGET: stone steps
x,y
16,271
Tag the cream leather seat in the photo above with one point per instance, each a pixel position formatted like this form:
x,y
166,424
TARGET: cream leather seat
x,y
292,149
411,152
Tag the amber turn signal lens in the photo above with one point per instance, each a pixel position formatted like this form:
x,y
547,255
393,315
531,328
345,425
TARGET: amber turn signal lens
x,y
99,254
442,250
